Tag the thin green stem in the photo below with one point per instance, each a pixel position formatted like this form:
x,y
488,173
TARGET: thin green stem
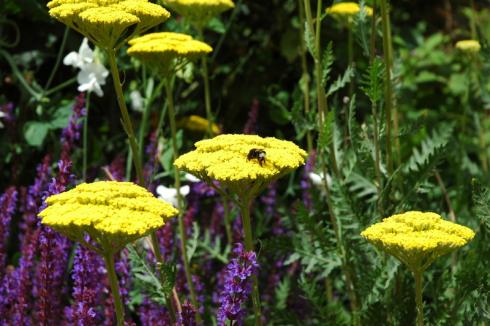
x,y
474,34
126,120
60,86
249,246
183,237
418,298
388,83
207,91
34,93
372,45
111,272
58,57
320,90
85,138
305,77
350,55
226,213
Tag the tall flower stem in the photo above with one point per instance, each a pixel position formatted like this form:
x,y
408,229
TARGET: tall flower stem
x,y
207,92
249,246
183,237
111,272
320,91
387,50
305,77
474,34
350,55
85,138
126,120
418,298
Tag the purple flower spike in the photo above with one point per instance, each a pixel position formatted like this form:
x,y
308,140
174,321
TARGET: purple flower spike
x,y
8,203
237,286
188,315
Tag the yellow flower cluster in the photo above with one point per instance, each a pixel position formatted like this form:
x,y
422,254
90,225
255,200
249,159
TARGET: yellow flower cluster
x,y
198,124
165,50
112,213
226,158
470,46
347,9
108,23
417,238
199,12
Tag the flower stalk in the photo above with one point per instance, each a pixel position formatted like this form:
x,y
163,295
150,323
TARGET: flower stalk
x,y
111,272
418,298
180,201
207,91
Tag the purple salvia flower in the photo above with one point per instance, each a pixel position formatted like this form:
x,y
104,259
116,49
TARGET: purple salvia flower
x,y
187,316
269,199
305,182
85,280
152,314
117,168
166,238
71,133
253,115
237,286
151,164
7,295
217,220
8,203
7,111
122,269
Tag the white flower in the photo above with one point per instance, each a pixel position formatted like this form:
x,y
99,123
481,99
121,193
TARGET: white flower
x,y
2,115
317,179
137,101
79,59
170,194
191,178
91,77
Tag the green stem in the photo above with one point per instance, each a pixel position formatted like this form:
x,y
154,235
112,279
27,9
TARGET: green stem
x,y
207,92
36,94
249,246
474,34
305,76
111,272
320,91
60,86
85,137
350,55
126,120
58,58
226,213
388,85
418,298
183,237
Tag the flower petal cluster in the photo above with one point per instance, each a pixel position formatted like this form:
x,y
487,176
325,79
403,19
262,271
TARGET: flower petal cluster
x,y
347,9
112,213
417,238
470,46
199,12
108,23
225,158
167,50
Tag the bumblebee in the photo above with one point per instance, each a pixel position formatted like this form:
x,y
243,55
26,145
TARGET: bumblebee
x,y
257,154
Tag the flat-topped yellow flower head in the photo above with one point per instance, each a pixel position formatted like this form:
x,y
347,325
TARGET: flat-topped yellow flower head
x,y
108,23
417,238
347,9
469,46
197,124
167,50
112,213
243,163
199,12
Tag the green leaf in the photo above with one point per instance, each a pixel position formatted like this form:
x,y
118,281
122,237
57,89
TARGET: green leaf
x,y
341,81
326,131
327,62
216,25
310,41
35,132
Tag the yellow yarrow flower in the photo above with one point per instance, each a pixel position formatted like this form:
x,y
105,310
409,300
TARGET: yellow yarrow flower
x,y
112,213
347,9
470,46
417,238
108,23
225,158
199,12
167,50
197,123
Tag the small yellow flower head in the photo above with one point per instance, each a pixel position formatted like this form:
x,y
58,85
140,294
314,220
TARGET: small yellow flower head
x,y
166,50
199,12
227,159
347,9
108,23
112,213
197,124
417,238
469,46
